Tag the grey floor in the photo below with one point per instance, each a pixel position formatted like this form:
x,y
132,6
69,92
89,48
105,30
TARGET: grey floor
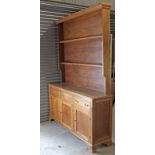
x,y
56,140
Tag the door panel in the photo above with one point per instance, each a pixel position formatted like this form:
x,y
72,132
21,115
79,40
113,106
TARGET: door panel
x,y
82,124
67,115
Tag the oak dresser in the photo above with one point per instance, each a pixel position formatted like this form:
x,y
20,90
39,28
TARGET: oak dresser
x,y
82,101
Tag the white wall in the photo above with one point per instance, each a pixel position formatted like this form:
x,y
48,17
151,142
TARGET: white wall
x,y
88,2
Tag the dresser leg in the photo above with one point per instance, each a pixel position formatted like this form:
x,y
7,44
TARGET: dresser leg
x,y
50,118
109,143
92,148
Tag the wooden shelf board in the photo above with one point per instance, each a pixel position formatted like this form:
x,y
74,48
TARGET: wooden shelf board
x,y
83,38
81,64
80,90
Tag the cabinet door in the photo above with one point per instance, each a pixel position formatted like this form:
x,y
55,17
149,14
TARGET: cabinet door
x,y
82,124
67,118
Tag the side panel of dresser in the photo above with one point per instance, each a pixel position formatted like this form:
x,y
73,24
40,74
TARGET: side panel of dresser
x,y
50,102
102,121
55,111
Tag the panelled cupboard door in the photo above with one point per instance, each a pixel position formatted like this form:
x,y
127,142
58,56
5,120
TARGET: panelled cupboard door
x,y
67,116
82,124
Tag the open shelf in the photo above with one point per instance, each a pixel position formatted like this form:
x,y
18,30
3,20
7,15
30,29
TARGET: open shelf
x,y
81,64
83,38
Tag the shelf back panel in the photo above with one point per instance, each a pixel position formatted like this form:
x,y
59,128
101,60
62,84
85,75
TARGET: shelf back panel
x,y
84,51
85,77
86,25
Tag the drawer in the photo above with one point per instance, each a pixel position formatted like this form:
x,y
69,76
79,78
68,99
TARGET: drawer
x,y
66,96
82,101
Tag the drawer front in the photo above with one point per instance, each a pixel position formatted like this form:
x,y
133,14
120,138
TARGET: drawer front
x,y
66,96
80,100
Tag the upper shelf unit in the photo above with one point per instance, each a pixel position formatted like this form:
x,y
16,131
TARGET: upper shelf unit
x,y
84,48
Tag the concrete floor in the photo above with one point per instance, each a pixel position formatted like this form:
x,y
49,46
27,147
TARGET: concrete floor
x,y
56,140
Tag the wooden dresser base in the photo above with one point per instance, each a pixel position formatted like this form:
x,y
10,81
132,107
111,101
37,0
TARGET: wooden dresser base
x,y
86,113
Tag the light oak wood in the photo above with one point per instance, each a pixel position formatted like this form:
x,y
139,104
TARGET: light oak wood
x,y
86,113
82,102
89,51
88,93
67,114
50,103
86,11
71,63
80,39
86,62
84,76
106,51
92,148
82,124
86,25
55,108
